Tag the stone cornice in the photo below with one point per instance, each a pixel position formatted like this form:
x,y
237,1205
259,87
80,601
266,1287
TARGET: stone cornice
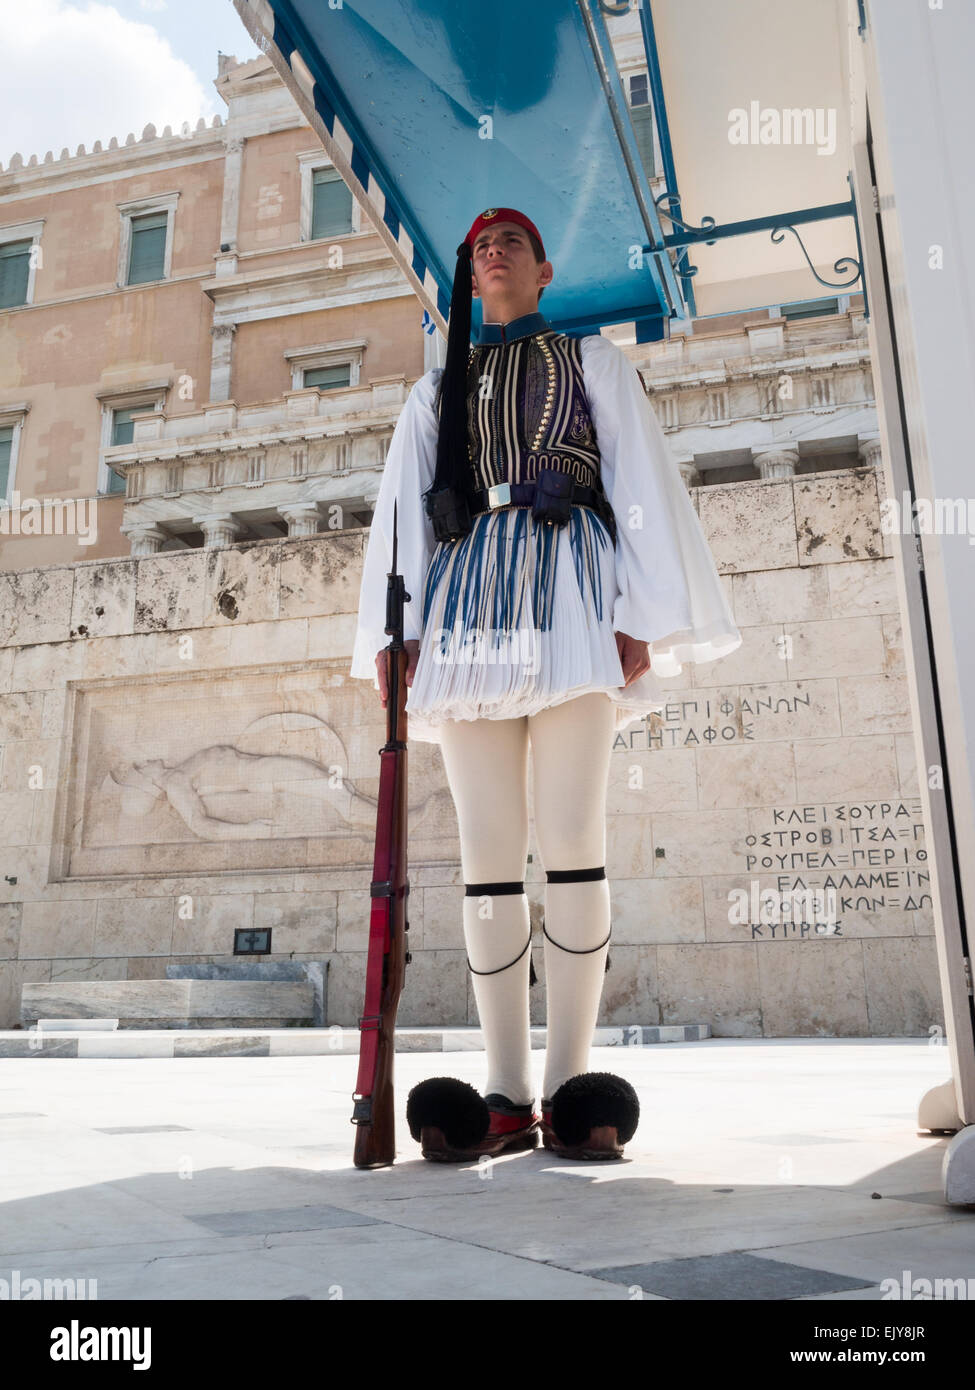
x,y
379,402
720,371
303,263
123,456
293,288
132,388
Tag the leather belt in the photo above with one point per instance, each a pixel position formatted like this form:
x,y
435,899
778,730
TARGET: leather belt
x,y
523,495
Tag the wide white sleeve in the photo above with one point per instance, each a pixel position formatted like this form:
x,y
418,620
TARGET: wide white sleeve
x,y
670,594
411,461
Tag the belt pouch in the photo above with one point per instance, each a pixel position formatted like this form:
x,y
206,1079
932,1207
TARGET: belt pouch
x,y
450,513
553,496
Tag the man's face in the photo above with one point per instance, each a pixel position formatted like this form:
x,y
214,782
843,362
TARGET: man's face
x,y
503,263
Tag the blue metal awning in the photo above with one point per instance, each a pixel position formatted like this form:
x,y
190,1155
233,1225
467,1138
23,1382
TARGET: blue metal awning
x,y
434,110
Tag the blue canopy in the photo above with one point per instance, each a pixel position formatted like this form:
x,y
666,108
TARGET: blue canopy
x,y
434,110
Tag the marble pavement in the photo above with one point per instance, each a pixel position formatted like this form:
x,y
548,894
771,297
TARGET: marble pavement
x,y
762,1170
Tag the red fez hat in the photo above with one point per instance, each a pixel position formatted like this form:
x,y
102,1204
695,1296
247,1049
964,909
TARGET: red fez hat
x,y
492,215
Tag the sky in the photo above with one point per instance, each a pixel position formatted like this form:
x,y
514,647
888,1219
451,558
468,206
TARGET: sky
x,y
77,71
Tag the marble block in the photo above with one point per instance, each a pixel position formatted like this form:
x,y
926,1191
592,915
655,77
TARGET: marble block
x,y
103,603
750,526
35,606
170,1003
837,518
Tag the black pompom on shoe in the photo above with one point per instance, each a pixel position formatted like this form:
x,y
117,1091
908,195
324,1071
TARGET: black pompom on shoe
x,y
452,1106
591,1116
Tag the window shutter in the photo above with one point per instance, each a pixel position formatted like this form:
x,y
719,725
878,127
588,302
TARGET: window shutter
x,y
147,256
123,432
331,205
329,376
809,309
123,428
642,118
6,446
14,273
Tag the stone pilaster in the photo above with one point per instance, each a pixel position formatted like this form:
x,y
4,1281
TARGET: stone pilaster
x,y
221,360
230,211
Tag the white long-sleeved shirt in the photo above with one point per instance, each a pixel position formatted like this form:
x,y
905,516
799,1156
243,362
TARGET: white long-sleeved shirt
x,y
669,593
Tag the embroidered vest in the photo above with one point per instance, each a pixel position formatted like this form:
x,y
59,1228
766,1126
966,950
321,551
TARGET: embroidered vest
x,y
527,409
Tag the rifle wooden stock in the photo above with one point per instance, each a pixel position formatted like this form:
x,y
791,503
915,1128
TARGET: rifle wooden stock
x,y
375,1139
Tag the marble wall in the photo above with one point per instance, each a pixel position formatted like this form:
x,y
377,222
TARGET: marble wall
x,y
184,754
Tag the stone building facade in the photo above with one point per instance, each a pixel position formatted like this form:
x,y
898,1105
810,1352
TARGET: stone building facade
x,y
182,752
185,754
212,343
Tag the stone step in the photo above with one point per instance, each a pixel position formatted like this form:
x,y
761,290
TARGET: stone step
x,y
303,1042
173,1003
77,1025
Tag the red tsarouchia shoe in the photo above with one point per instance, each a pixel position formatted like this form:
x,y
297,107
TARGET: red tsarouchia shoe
x,y
453,1123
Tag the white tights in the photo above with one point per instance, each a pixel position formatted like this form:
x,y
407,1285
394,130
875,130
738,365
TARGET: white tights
x,y
486,761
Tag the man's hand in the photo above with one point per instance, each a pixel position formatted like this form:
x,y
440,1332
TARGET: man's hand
x,y
413,651
634,657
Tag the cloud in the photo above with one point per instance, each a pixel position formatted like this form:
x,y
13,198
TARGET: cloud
x,y
73,76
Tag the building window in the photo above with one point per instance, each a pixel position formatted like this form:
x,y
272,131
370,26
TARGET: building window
x,y
12,420
6,459
119,412
641,118
14,273
339,375
810,309
328,208
18,261
146,239
326,365
331,205
147,248
123,432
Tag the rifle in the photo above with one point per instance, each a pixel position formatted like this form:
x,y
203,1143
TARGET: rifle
x,y
375,1140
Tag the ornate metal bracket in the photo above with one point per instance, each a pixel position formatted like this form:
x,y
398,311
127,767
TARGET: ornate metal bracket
x,y
776,230
705,226
687,271
777,233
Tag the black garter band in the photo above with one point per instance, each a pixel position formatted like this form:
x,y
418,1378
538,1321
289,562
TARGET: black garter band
x,y
472,890
476,890
577,876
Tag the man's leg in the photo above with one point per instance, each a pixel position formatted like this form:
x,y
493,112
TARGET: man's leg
x,y
486,761
571,748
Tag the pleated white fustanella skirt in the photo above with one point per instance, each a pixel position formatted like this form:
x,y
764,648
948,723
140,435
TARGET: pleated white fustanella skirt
x,y
517,617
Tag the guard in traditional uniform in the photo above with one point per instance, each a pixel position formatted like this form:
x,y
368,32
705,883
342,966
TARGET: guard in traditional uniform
x,y
556,568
